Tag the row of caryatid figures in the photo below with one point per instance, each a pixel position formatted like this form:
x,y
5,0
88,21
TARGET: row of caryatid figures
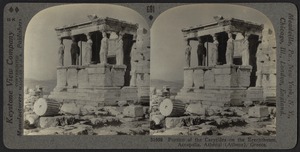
x,y
213,51
75,51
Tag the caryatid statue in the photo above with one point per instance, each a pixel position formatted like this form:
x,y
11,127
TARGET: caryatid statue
x,y
120,52
245,52
229,49
188,54
201,52
133,65
214,51
104,49
61,52
88,53
75,51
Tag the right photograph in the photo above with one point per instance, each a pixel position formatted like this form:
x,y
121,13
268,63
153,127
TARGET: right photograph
x,y
213,72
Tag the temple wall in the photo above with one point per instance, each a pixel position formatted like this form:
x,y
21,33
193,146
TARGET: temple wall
x,y
140,64
112,47
91,76
221,76
238,48
266,58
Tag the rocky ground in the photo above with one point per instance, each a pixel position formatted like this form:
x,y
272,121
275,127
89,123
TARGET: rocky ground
x,y
201,119
124,119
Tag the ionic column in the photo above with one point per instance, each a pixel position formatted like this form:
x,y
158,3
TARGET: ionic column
x,y
88,52
245,52
188,54
61,52
120,51
104,48
229,49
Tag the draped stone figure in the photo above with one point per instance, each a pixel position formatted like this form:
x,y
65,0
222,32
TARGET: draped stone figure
x,y
61,52
133,65
201,52
245,52
88,53
229,49
120,52
75,52
188,54
214,52
104,49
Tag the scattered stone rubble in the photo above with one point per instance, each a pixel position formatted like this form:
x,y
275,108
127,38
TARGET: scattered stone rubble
x,y
201,119
75,119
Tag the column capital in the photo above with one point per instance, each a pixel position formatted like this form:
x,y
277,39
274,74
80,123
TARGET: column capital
x,y
214,35
229,32
187,41
246,34
61,40
88,33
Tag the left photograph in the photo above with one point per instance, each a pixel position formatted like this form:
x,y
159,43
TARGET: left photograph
x,y
87,71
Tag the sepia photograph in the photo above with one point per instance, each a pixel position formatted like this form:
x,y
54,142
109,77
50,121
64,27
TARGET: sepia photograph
x,y
144,75
86,71
213,72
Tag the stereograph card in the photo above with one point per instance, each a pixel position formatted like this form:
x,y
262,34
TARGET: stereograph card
x,y
150,75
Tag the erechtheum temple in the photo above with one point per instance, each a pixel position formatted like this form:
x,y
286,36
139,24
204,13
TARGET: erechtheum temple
x,y
111,70
236,63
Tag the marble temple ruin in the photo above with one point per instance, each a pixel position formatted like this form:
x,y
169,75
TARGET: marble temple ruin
x,y
236,63
112,69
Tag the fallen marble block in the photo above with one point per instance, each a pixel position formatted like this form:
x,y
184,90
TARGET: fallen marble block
x,y
258,111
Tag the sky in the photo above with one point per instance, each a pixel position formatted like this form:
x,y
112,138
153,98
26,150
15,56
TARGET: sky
x,y
41,42
167,41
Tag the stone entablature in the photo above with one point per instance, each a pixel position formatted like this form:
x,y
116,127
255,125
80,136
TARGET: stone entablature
x,y
223,25
96,24
217,43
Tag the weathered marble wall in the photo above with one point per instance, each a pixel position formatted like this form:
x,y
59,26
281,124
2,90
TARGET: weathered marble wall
x,y
90,76
267,62
220,76
140,63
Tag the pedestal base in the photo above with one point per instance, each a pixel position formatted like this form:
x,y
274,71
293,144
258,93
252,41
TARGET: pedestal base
x,y
219,85
95,96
